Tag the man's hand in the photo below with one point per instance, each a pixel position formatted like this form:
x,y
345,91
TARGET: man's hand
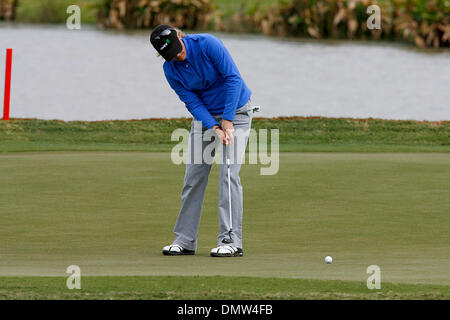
x,y
228,128
220,134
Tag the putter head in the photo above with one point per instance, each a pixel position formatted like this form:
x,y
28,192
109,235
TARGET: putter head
x,y
227,241
256,109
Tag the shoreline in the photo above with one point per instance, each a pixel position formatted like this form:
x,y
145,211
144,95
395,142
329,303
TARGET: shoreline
x,y
436,122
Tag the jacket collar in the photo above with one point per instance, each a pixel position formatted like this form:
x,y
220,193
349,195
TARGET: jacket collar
x,y
188,51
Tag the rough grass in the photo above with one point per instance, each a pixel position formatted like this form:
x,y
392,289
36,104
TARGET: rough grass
x,y
171,287
296,134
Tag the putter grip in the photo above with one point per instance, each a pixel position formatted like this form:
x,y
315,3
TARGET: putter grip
x,y
227,150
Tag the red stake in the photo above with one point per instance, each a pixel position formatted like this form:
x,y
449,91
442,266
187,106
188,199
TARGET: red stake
x,y
7,84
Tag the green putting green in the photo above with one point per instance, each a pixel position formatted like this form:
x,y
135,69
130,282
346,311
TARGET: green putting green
x,y
111,213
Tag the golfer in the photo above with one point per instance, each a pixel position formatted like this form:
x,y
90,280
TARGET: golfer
x,y
201,71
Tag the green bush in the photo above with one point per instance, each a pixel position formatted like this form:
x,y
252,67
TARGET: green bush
x,y
8,9
426,22
187,14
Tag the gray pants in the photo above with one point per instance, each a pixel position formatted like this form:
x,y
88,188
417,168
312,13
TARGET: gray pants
x,y
196,180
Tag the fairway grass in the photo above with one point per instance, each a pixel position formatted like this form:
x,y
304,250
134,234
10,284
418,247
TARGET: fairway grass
x,y
217,288
111,213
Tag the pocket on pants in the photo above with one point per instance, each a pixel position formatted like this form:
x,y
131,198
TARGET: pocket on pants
x,y
242,119
245,108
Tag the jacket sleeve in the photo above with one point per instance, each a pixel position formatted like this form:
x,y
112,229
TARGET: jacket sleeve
x,y
224,64
192,102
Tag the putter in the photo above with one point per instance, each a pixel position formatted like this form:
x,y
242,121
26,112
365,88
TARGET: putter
x,y
230,232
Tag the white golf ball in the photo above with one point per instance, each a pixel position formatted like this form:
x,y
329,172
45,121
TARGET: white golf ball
x,y
328,259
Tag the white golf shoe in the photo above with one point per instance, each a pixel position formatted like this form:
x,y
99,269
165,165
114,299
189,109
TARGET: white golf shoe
x,y
176,250
226,251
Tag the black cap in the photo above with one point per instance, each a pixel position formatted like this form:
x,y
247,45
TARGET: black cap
x,y
165,40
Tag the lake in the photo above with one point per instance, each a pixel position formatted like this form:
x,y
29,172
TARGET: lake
x,y
90,74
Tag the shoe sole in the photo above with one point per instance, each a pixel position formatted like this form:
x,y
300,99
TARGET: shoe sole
x,y
170,253
226,255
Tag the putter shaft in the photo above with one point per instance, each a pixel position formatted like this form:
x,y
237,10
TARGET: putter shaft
x,y
229,195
